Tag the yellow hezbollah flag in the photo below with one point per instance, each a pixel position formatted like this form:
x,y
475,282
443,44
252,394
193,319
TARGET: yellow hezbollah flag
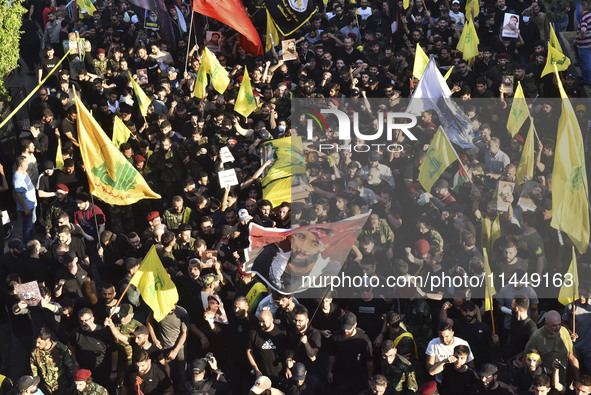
x,y
155,285
469,41
289,162
489,287
491,231
519,111
569,292
421,61
272,35
245,102
570,207
212,67
555,57
438,157
451,69
201,81
110,176
406,4
59,157
554,43
143,100
526,163
472,4
86,5
121,132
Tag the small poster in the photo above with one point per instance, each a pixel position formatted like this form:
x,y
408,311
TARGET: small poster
x,y
151,20
208,258
503,195
226,155
289,49
142,76
228,177
507,84
510,25
29,293
213,40
532,195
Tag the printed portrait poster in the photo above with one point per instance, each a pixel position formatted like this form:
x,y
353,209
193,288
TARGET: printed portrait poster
x,y
289,49
510,25
532,195
213,40
29,293
282,258
142,76
506,86
151,20
503,195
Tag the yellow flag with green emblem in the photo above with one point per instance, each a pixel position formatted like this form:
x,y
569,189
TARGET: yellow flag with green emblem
x,y
469,41
110,175
472,4
155,285
555,57
519,111
289,163
211,67
489,287
526,163
59,157
438,157
245,101
272,35
86,5
570,192
201,81
421,62
143,100
554,40
569,292
121,132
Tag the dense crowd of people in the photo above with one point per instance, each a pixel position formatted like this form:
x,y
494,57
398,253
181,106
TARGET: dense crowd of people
x,y
230,333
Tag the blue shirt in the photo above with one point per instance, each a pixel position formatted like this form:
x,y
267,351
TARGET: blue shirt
x,y
24,185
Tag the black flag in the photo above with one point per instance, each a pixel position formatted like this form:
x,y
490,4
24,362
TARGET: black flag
x,y
290,15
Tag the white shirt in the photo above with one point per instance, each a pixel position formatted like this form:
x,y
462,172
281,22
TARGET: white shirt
x,y
442,351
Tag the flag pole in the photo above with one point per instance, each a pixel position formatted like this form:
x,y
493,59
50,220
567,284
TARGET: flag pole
x,y
189,43
492,316
457,156
574,296
120,298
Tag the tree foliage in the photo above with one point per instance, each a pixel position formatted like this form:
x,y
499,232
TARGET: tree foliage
x,y
11,13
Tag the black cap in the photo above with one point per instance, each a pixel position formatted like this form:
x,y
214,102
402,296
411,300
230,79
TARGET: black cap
x,y
226,230
513,229
125,309
16,244
198,366
488,369
298,371
468,305
68,257
349,321
26,382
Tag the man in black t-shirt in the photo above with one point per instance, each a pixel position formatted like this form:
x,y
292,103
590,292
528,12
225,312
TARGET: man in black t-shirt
x,y
266,348
456,376
46,65
146,377
303,341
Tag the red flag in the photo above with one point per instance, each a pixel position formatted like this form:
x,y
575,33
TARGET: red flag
x,y
232,13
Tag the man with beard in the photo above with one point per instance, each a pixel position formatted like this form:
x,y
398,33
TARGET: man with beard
x,y
303,342
106,303
61,204
456,376
142,342
286,270
93,348
488,382
241,323
146,378
398,370
581,338
266,348
470,329
441,348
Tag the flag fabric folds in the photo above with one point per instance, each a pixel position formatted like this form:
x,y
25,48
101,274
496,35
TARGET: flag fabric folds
x,y
59,157
86,5
527,161
555,57
554,40
110,175
570,192
289,162
121,132
469,41
472,4
245,102
143,100
569,292
519,111
155,285
451,70
438,157
432,93
489,290
272,38
211,67
231,13
421,62
290,15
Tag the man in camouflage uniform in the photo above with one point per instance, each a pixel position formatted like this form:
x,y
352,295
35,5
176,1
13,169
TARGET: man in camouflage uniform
x,y
52,362
123,333
84,385
177,215
61,204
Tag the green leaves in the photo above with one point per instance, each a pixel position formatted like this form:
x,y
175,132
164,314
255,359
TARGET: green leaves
x,y
10,24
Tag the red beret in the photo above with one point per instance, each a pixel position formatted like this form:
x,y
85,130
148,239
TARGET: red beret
x,y
100,50
81,375
428,388
62,187
519,138
139,158
151,215
502,55
422,246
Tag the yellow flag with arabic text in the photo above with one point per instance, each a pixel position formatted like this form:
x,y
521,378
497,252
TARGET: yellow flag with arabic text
x,y
155,285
